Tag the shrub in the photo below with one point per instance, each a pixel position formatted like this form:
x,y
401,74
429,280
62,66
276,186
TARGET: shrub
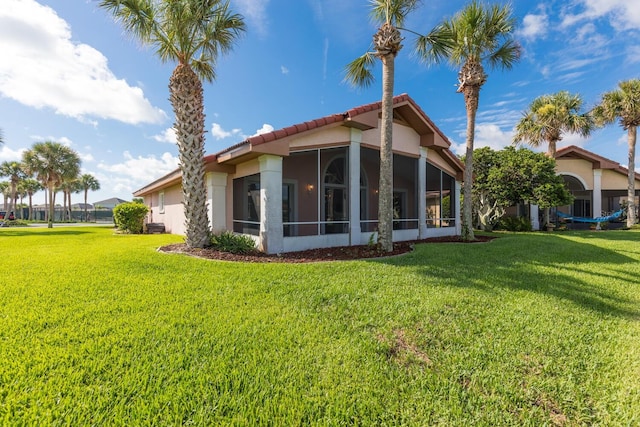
x,y
511,223
129,217
14,223
234,243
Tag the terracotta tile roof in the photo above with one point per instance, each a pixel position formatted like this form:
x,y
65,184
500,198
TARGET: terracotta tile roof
x,y
331,119
598,161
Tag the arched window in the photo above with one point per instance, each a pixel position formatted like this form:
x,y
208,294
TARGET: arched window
x,y
336,206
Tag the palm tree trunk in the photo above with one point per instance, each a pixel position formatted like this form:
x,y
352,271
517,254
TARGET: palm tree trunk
x,y
631,193
188,105
471,95
30,207
385,187
86,193
52,201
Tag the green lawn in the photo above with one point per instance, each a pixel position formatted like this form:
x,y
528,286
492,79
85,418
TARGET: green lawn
x,y
531,329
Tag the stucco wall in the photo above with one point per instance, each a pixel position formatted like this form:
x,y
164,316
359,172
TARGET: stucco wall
x,y
173,215
577,167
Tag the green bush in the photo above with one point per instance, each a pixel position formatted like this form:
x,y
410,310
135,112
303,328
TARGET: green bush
x,y
15,223
511,223
234,243
129,217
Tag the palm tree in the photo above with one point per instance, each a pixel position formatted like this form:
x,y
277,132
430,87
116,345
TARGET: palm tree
x,y
15,172
30,186
477,34
5,190
549,117
51,163
623,104
387,42
192,33
88,182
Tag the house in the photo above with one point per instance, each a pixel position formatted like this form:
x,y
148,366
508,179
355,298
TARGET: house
x,y
599,185
315,184
109,203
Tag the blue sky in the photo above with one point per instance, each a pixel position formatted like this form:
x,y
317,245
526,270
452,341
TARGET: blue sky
x,y
70,74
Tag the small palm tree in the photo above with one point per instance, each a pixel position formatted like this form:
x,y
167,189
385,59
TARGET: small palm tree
x,y
623,105
5,190
477,34
15,172
51,163
30,186
549,117
387,42
88,182
192,33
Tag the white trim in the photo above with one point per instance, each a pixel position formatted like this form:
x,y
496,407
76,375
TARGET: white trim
x,y
578,177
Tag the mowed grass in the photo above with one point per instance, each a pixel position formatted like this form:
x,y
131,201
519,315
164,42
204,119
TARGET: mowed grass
x,y
98,328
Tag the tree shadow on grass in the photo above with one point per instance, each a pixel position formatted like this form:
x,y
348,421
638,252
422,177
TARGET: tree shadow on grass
x,y
539,263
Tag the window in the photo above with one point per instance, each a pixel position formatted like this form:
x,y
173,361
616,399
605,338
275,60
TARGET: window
x,y
440,198
246,204
336,201
161,202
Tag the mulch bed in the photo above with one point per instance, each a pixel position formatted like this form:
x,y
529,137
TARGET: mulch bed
x,y
341,253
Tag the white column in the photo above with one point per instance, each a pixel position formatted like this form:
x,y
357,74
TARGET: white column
x,y
271,232
597,193
422,193
217,200
457,209
354,186
535,217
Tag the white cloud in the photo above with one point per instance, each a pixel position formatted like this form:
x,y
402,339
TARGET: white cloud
x,y
255,11
59,139
487,135
622,14
266,128
43,67
167,135
139,171
284,70
219,133
534,26
633,54
7,154
88,157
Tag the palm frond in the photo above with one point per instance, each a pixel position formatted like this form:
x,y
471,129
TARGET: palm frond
x,y
358,72
392,11
435,47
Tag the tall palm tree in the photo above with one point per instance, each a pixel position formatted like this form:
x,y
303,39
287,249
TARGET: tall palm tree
x,y
387,42
623,105
477,34
15,172
51,163
5,190
192,33
549,117
30,186
88,182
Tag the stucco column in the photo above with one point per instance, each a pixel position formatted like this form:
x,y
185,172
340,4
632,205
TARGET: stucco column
x,y
271,232
597,193
535,217
422,193
457,209
354,187
217,201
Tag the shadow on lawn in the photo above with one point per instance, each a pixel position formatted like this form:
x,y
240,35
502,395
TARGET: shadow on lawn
x,y
536,263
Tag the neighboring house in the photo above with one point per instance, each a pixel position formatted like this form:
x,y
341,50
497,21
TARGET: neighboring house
x,y
109,203
315,184
599,185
